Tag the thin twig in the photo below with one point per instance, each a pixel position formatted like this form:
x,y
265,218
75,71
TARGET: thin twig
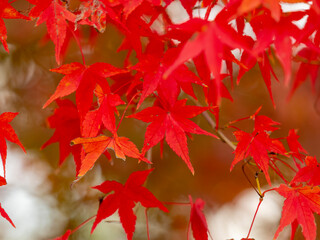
x,y
147,223
176,203
254,217
254,187
82,224
212,123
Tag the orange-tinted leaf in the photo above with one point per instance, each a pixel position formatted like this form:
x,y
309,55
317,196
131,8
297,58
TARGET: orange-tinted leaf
x,y
95,147
272,5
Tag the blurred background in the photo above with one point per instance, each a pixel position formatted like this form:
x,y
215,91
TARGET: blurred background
x,y
40,197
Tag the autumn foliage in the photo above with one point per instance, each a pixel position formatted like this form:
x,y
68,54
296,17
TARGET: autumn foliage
x,y
171,73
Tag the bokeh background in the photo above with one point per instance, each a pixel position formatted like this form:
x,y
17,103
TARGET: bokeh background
x,y
41,198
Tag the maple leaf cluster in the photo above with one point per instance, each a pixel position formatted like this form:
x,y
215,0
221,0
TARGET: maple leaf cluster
x,y
156,85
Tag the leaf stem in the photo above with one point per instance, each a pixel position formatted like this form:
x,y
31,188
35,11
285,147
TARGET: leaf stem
x,y
286,164
147,222
213,125
209,10
258,183
278,172
220,134
126,110
269,190
254,217
189,226
254,187
176,203
82,224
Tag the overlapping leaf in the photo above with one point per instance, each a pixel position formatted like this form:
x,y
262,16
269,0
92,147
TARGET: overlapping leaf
x,y
258,144
66,122
152,70
124,199
215,40
248,62
83,80
281,34
103,114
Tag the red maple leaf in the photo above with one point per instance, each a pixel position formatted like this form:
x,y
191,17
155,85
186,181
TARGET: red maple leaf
x,y
7,11
296,150
173,124
152,69
188,5
6,216
214,39
300,204
7,133
124,199
309,66
65,120
83,80
272,5
104,114
280,33
55,15
198,221
209,88
95,147
258,144
248,62
309,174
